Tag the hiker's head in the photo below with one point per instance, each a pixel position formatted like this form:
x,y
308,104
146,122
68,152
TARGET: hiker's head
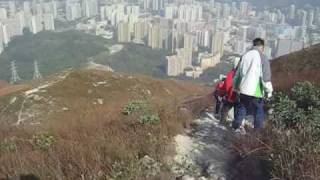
x,y
259,43
222,77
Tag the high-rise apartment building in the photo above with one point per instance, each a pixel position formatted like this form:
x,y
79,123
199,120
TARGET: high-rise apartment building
x,y
292,11
244,8
73,11
48,22
217,43
3,14
123,32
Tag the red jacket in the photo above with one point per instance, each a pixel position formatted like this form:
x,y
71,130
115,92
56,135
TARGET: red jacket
x,y
220,89
231,94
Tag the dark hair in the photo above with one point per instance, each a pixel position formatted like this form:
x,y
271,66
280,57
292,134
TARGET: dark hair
x,y
258,42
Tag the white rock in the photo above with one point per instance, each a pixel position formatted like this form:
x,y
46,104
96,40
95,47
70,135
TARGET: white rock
x,y
37,97
65,109
13,100
187,177
202,178
100,101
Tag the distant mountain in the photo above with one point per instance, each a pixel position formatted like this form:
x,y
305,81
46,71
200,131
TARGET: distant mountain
x,y
299,66
278,3
58,51
281,3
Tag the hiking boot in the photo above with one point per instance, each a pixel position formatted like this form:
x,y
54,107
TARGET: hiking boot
x,y
240,131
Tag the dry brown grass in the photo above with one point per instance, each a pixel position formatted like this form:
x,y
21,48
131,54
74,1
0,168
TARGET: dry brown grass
x,y
296,67
9,89
90,138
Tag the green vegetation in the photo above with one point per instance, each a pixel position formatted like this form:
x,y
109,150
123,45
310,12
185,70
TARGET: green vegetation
x,y
134,106
72,49
8,145
144,109
290,144
296,123
43,141
149,119
53,51
137,59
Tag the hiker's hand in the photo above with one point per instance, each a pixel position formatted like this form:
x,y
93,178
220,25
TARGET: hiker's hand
x,y
269,95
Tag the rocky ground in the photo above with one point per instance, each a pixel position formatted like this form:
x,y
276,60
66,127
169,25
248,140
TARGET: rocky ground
x,y
203,153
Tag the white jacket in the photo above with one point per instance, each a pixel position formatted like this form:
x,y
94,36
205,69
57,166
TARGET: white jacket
x,y
253,77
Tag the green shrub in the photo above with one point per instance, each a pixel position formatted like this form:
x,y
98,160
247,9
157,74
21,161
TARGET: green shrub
x,y
295,128
43,141
149,119
144,109
289,145
8,145
134,106
298,109
307,95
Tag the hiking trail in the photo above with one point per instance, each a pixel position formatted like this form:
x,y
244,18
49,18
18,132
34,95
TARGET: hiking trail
x,y
203,152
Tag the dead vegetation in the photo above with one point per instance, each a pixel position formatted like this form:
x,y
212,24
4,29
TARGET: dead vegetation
x,y
296,67
88,137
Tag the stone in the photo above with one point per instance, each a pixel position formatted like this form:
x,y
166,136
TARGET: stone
x,y
13,100
100,101
37,97
202,178
187,177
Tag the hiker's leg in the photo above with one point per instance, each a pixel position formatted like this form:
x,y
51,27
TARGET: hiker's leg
x,y
218,104
224,112
259,115
240,111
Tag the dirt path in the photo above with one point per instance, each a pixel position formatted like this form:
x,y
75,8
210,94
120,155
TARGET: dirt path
x,y
204,152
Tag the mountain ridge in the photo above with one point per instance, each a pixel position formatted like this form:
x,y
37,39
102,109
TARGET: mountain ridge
x,y
299,66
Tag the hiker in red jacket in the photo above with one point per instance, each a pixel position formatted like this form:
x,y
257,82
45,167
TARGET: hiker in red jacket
x,y
219,94
231,96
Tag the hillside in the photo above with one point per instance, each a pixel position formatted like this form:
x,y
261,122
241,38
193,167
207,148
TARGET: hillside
x,y
278,3
93,124
58,51
53,51
136,59
303,65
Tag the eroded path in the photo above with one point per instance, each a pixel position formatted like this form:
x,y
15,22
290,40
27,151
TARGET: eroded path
x,y
203,153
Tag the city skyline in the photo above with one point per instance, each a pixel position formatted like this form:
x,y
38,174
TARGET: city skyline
x,y
196,33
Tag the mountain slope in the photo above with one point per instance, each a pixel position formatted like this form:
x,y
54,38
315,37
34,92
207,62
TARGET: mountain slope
x,y
303,65
91,124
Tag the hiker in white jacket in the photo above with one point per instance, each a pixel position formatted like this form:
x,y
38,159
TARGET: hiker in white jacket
x,y
253,82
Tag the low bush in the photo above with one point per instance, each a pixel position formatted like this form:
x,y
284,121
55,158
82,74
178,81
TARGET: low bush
x,y
149,119
289,143
43,141
8,145
144,110
134,106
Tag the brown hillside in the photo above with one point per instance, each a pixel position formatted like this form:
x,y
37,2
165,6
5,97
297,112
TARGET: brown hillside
x,y
75,128
3,84
303,65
